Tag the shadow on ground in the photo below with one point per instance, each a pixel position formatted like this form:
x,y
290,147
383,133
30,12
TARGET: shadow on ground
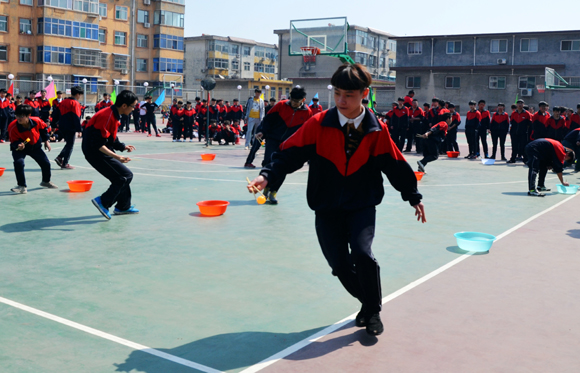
x,y
457,250
58,224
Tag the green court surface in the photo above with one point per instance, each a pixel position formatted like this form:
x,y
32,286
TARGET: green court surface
x,y
224,292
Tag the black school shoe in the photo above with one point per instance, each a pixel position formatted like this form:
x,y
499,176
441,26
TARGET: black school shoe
x,y
375,325
535,193
543,189
360,320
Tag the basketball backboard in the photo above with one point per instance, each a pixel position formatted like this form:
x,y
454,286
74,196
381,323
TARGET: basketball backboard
x,y
326,34
555,81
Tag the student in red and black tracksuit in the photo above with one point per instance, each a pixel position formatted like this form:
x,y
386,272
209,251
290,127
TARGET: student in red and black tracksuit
x,y
433,113
556,125
5,115
347,148
137,117
540,122
177,121
408,133
236,111
55,116
202,114
393,131
400,121
520,121
283,120
198,104
416,117
543,155
43,106
69,124
213,111
572,141
409,99
472,120
575,119
105,103
26,137
188,115
99,144
483,128
499,127
270,105
315,108
435,138
31,100
451,138
223,113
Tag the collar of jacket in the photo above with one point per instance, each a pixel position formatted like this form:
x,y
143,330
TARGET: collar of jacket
x,y
369,122
115,111
22,129
302,107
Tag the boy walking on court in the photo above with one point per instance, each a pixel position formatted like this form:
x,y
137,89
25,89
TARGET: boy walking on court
x,y
99,144
347,148
26,137
68,125
435,138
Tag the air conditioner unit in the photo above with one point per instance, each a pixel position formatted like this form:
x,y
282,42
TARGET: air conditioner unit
x,y
124,72
527,92
146,25
501,61
147,2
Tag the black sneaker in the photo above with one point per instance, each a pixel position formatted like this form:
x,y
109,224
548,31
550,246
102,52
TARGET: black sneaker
x,y
360,320
511,161
272,198
375,325
543,189
535,193
59,162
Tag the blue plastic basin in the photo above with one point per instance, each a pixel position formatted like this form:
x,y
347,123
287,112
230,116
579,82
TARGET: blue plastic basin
x,y
571,189
474,241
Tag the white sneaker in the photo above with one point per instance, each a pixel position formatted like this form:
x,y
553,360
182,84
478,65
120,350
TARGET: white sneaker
x,y
246,148
49,185
19,189
190,140
174,140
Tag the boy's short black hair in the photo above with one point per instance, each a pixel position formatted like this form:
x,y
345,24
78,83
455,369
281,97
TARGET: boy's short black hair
x,y
213,99
126,97
147,97
23,110
435,99
204,100
105,94
411,92
3,90
257,90
18,97
578,106
426,104
59,92
514,106
197,98
520,101
526,107
272,99
297,93
315,99
441,103
212,121
472,103
227,122
33,92
481,102
451,105
501,104
569,154
236,100
188,103
351,77
445,116
365,101
43,91
557,108
88,117
174,100
543,103
76,90
400,99
180,102
415,100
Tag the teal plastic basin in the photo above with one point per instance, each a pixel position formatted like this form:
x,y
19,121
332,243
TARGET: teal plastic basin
x,y
571,189
474,241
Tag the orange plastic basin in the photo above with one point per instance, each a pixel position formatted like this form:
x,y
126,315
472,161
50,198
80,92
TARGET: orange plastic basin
x,y
212,208
419,175
207,157
2,169
453,154
79,185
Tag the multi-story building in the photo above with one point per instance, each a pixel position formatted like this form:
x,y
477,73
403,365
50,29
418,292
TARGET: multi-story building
x,y
493,67
130,41
373,48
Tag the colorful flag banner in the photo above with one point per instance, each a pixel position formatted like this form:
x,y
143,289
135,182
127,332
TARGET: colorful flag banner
x,y
161,98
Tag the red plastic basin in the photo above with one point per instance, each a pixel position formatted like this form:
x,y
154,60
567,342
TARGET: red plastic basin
x,y
453,154
419,175
207,157
79,186
212,208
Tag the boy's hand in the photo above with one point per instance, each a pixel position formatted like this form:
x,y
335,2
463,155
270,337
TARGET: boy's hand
x,y
21,146
47,146
129,148
124,159
259,135
565,183
260,182
420,212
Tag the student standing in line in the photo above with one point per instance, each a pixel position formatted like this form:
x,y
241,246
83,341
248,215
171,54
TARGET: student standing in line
x,y
31,100
472,120
188,115
483,128
43,106
348,148
499,127
5,115
417,115
540,122
315,107
556,125
451,138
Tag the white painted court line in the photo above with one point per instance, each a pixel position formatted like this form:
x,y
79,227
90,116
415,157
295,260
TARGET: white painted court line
x,y
332,328
110,337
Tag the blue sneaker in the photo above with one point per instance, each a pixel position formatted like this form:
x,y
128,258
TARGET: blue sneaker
x,y
131,210
101,208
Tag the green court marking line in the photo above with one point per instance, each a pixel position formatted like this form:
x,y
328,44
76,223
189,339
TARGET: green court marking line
x,y
110,337
339,324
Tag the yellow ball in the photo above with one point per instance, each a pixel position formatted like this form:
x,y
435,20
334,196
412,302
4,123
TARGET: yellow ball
x,y
261,200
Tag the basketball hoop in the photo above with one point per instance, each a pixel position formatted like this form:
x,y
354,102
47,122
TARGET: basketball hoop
x,y
309,54
541,88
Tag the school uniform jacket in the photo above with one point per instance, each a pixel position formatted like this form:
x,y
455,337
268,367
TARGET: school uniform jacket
x,y
70,115
521,121
103,105
34,104
400,119
550,153
408,101
500,122
44,108
5,108
336,182
574,121
282,121
485,121
315,108
455,119
472,119
539,125
438,131
55,111
433,115
18,134
102,130
556,128
213,112
573,136
417,113
236,113
188,116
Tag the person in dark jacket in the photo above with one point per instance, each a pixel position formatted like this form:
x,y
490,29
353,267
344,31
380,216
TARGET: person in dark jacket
x,y
69,125
483,128
572,141
435,139
543,155
499,127
347,148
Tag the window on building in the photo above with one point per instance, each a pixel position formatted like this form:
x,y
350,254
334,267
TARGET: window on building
x,y
168,42
499,46
453,82
527,82
372,41
218,63
57,55
270,69
360,58
142,41
168,65
235,49
26,2
86,57
259,67
120,38
247,51
120,62
392,62
382,62
413,82
54,26
166,18
4,23
121,12
25,54
259,52
392,45
383,44
247,66
572,80
3,53
25,26
415,47
497,82
103,10
141,65
90,6
142,16
235,65
102,36
529,45
104,61
570,45
372,61
361,37
454,47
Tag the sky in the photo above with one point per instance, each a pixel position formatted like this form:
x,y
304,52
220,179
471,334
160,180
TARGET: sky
x,y
257,20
